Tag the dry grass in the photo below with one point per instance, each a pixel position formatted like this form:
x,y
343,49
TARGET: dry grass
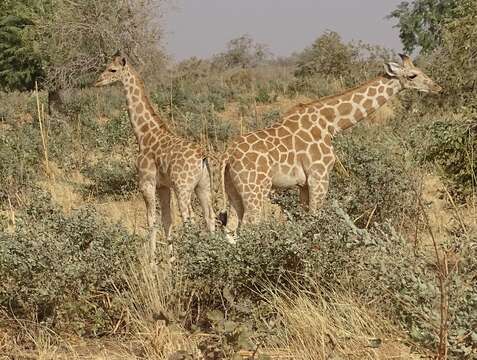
x,y
157,303
322,326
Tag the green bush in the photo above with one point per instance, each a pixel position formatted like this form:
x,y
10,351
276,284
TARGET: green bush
x,y
59,268
452,147
375,184
378,265
19,159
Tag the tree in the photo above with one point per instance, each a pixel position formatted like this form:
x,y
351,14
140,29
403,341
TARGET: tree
x,y
328,56
421,22
66,43
242,52
454,62
20,62
20,66
79,37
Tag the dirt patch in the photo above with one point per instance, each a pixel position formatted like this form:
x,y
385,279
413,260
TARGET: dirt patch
x,y
130,213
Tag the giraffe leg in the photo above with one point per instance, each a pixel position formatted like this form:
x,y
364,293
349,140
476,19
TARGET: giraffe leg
x,y
318,187
253,203
183,201
236,201
166,215
148,190
202,191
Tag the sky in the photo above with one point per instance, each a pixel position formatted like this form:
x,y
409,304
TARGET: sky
x,y
202,27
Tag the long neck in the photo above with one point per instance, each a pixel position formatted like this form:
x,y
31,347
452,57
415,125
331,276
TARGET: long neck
x,y
141,114
343,111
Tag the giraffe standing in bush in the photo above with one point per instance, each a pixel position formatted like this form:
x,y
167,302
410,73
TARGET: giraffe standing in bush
x,y
165,161
298,150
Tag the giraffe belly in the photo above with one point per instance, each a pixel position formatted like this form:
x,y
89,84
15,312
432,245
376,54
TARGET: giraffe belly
x,y
293,177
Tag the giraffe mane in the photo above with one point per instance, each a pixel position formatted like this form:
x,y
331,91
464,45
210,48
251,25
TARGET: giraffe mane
x,y
330,97
147,103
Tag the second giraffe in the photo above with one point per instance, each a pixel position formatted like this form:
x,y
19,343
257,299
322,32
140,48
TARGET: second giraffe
x,y
298,151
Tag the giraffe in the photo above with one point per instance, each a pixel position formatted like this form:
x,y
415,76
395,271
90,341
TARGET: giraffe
x,y
165,162
298,150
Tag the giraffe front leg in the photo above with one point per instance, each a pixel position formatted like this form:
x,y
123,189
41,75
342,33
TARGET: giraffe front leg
x,y
317,188
253,204
148,190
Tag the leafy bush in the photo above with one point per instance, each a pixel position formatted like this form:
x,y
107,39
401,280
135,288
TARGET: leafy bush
x,y
330,249
374,184
59,268
19,159
452,146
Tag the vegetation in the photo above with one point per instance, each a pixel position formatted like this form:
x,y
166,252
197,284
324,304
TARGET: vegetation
x,y
421,22
386,268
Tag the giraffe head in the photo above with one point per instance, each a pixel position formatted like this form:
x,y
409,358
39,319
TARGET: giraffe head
x,y
115,71
410,76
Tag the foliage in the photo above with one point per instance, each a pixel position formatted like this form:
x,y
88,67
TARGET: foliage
x,y
452,147
327,56
371,180
55,267
331,250
19,158
241,52
454,61
330,60
20,65
421,22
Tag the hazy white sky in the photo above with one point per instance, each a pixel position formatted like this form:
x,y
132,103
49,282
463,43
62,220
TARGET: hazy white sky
x,y
203,27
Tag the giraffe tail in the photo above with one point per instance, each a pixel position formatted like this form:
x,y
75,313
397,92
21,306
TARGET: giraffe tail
x,y
222,216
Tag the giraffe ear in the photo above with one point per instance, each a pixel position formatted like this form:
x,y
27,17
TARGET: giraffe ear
x,y
393,69
406,61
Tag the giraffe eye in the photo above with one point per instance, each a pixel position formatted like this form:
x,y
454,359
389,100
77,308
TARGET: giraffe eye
x,y
112,70
413,76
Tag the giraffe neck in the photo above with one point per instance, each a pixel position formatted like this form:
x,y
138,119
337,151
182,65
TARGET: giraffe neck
x,y
345,110
142,116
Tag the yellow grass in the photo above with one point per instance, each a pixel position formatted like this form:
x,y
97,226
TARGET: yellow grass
x,y
334,325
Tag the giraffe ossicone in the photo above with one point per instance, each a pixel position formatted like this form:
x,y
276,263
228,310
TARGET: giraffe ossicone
x,y
166,162
298,151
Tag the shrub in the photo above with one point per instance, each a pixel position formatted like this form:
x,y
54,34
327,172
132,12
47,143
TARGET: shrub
x,y
60,268
452,146
374,184
19,159
377,265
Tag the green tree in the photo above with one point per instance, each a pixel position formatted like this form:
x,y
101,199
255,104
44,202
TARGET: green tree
x,y
327,56
20,62
242,52
454,63
421,22
20,66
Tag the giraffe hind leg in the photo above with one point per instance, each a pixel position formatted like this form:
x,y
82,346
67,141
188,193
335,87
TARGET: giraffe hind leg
x,y
166,213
